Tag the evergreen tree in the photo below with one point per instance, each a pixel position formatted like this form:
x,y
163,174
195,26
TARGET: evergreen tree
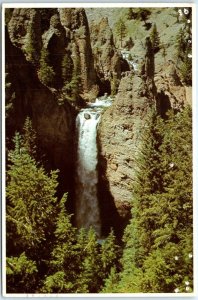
x,y
158,251
31,200
138,234
143,14
114,84
121,30
131,13
155,39
29,138
111,282
30,214
76,77
138,14
109,255
21,274
91,263
67,67
183,54
46,73
64,264
74,87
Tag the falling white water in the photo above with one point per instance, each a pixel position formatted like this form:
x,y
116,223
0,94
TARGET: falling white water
x,y
87,207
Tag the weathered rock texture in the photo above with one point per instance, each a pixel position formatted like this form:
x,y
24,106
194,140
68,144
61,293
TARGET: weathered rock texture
x,y
107,59
121,124
171,92
118,141
60,31
75,23
65,33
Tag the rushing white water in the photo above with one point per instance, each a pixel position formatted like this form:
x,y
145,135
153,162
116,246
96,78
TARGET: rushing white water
x,y
133,64
87,207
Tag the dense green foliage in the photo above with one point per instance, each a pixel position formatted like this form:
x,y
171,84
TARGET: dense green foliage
x,y
184,49
46,73
71,73
158,241
45,253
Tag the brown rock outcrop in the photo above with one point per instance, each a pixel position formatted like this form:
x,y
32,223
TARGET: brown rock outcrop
x,y
107,59
118,140
62,32
75,23
170,90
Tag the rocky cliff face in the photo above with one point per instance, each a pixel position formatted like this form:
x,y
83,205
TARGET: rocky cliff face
x,y
88,60
121,125
171,92
54,124
108,62
118,141
28,32
75,23
61,32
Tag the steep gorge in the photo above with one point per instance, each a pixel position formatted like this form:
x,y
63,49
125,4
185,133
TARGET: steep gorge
x,y
53,117
94,66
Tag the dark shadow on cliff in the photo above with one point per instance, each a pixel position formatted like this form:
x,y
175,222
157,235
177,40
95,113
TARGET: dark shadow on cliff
x,y
110,217
50,120
163,104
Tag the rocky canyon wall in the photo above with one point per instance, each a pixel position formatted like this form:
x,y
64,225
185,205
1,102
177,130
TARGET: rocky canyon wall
x,y
84,56
61,32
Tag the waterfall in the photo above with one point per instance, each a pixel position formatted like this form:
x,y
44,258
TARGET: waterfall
x,y
87,206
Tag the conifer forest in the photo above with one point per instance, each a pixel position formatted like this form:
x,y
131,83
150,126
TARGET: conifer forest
x,y
98,109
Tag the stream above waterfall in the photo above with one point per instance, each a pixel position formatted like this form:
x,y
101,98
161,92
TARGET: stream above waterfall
x,y
86,181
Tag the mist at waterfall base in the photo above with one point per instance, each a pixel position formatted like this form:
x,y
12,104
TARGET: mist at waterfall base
x,y
86,201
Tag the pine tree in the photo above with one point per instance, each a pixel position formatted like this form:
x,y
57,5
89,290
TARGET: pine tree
x,y
75,85
46,73
155,39
109,254
30,213
31,200
114,85
67,67
164,52
183,47
21,274
92,264
138,234
138,14
111,282
158,252
29,138
169,266
65,264
142,14
121,30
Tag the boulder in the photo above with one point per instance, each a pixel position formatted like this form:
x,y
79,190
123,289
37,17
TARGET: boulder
x,y
87,116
